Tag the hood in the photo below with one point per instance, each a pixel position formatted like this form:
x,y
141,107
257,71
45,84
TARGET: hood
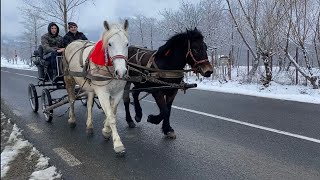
x,y
53,24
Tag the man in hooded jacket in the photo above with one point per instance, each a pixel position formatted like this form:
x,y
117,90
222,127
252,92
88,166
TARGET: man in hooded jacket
x,y
52,44
73,34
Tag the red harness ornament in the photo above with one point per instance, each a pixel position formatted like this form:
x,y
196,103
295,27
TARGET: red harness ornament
x,y
98,55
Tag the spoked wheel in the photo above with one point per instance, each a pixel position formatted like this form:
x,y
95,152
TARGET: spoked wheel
x,y
33,97
46,102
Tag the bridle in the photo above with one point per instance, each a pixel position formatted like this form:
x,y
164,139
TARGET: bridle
x,y
115,57
192,57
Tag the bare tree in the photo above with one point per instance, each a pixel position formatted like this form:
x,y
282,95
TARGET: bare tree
x,y
214,25
316,37
137,32
298,33
260,20
151,26
33,24
188,16
60,11
140,25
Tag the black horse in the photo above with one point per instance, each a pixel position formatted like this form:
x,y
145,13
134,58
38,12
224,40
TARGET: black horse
x,y
179,50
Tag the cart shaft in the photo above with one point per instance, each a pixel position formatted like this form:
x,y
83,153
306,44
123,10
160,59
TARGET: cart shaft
x,y
62,102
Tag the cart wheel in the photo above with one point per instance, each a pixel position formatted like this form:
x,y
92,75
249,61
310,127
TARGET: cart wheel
x,y
46,102
33,97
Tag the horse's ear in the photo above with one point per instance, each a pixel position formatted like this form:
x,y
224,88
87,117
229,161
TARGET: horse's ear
x,y
126,25
106,25
195,29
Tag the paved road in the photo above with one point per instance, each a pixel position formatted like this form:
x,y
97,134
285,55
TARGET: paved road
x,y
219,136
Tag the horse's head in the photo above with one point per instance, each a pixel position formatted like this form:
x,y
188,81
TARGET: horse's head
x,y
186,48
115,41
197,56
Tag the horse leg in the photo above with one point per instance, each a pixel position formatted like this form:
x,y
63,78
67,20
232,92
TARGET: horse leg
x,y
126,101
89,128
166,128
70,86
110,122
161,102
137,106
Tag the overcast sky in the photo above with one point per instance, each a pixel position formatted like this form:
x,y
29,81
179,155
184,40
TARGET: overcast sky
x,y
90,15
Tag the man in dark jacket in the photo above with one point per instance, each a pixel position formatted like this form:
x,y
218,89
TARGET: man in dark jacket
x,y
52,44
73,34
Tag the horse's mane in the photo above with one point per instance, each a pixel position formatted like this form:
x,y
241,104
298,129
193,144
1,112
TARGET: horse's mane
x,y
179,39
114,29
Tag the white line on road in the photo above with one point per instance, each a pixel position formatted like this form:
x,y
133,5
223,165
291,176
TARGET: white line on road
x,y
245,123
33,127
67,157
20,74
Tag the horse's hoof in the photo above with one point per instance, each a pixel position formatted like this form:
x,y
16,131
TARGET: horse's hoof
x,y
120,151
151,120
89,131
106,135
171,135
72,125
131,124
138,119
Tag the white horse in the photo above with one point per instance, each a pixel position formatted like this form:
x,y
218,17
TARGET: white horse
x,y
109,92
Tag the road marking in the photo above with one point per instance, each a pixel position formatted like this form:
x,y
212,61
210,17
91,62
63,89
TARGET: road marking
x,y
245,123
33,127
67,157
20,74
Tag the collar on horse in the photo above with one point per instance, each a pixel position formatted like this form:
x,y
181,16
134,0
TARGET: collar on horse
x,y
98,55
98,59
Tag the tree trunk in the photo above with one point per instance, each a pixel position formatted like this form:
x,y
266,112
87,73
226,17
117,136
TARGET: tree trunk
x,y
254,69
316,48
313,79
267,65
307,61
65,16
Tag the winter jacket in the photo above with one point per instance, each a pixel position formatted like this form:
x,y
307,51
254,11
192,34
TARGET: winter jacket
x,y
50,42
69,37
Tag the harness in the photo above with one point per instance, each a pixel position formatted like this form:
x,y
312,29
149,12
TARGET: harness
x,y
86,71
150,72
160,73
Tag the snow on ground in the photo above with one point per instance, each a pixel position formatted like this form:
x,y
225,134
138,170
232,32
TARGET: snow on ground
x,y
280,88
275,90
20,65
13,147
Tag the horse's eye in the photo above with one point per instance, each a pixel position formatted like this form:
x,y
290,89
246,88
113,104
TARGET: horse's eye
x,y
109,44
127,44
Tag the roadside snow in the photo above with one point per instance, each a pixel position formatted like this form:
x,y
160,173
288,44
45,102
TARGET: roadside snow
x,y
14,145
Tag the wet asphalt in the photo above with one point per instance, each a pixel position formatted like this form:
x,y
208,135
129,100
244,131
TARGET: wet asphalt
x,y
205,148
